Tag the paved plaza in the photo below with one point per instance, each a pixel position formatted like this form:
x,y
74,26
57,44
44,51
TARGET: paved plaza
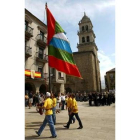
x,y
98,124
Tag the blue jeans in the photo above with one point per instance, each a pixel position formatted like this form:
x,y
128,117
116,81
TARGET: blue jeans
x,y
48,119
54,115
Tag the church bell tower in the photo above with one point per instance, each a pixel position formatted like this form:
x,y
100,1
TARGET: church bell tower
x,y
86,35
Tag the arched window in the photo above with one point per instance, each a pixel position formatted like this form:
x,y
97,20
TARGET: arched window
x,y
88,39
86,27
83,28
83,39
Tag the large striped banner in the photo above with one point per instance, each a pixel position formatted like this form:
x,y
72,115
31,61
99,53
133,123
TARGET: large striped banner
x,y
60,54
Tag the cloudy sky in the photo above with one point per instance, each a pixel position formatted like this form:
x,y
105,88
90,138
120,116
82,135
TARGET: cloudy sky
x,y
68,13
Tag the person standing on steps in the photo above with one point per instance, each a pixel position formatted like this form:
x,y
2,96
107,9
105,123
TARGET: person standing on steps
x,y
74,111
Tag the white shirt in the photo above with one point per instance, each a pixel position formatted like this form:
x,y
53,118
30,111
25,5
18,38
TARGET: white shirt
x,y
59,99
62,98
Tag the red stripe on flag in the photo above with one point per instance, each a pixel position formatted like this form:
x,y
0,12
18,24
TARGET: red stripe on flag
x,y
63,66
27,70
38,72
37,76
50,25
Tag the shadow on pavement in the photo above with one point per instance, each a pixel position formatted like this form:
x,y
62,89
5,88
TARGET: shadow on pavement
x,y
61,128
60,123
32,128
38,125
35,137
35,122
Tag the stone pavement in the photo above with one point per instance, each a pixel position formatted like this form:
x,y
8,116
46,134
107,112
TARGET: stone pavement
x,y
98,123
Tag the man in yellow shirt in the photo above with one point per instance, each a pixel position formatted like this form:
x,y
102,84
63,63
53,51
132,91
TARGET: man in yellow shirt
x,y
74,111
69,103
48,105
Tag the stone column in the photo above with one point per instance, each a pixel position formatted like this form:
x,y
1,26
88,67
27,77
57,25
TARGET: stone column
x,y
62,90
37,88
37,85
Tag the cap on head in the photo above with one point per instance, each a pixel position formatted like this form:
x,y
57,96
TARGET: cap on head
x,y
48,94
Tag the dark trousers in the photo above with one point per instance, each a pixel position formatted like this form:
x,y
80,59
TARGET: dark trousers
x,y
96,103
26,102
73,119
77,117
63,103
90,102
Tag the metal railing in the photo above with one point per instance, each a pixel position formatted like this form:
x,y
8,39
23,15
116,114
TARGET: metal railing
x,y
29,29
42,38
42,56
28,50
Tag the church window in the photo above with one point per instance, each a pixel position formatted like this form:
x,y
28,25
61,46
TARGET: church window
x,y
83,28
88,40
86,27
83,39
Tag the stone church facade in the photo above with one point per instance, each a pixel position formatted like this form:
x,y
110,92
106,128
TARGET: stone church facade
x,y
86,60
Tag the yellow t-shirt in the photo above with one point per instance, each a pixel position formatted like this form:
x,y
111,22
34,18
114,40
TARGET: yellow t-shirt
x,y
69,102
74,106
66,99
48,104
54,102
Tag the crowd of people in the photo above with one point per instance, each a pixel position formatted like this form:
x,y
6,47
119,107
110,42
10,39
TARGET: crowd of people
x,y
51,104
101,99
94,99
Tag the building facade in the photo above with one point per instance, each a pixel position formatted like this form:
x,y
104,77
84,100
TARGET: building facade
x,y
36,59
110,79
86,60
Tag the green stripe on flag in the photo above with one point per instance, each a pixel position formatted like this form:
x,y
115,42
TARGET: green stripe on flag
x,y
58,28
60,54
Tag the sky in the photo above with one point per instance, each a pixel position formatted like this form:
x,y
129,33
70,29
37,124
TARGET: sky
x,y
68,13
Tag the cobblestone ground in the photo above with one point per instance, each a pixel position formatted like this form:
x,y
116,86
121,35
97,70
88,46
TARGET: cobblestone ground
x,y
98,123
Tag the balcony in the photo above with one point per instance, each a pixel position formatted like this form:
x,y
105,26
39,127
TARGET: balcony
x,y
53,78
41,58
43,78
28,32
28,51
41,41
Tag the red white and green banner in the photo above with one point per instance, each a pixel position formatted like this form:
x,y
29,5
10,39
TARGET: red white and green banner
x,y
59,51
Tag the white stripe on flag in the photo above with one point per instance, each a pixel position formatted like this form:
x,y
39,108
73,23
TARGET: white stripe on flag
x,y
61,36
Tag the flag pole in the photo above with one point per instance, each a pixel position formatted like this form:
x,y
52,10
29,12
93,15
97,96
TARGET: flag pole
x,y
49,69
